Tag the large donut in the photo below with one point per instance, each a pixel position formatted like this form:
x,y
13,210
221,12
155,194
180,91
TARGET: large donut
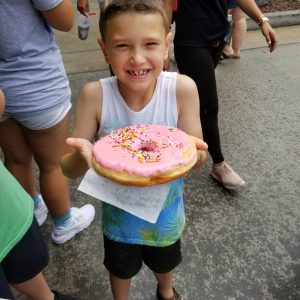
x,y
144,155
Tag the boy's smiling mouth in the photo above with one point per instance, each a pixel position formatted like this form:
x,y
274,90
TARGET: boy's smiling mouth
x,y
138,72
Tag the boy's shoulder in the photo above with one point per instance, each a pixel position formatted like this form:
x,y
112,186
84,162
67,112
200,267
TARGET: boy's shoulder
x,y
91,93
184,83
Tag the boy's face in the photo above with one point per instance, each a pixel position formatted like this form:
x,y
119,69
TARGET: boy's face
x,y
2,103
136,46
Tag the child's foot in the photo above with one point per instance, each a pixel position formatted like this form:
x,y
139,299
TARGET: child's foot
x,y
226,176
176,296
81,218
40,211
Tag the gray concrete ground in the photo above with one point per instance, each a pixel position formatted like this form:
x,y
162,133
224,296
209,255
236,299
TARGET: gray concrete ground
x,y
236,246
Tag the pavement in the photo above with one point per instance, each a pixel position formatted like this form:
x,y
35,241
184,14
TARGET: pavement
x,y
236,245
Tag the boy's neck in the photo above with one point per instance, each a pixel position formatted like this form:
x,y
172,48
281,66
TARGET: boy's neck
x,y
136,101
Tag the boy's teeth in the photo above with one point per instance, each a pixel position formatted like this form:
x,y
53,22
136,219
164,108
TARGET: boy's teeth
x,y
137,73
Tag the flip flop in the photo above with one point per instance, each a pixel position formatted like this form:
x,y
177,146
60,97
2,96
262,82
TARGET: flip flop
x,y
227,56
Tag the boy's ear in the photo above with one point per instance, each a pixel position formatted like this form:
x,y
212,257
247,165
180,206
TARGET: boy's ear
x,y
103,48
168,44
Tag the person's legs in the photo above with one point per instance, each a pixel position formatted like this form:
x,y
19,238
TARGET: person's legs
x,y
35,288
197,63
123,261
239,32
17,154
164,283
48,146
119,287
18,160
162,261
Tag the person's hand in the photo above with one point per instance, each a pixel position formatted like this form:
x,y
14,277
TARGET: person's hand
x,y
83,7
200,144
270,35
201,147
83,147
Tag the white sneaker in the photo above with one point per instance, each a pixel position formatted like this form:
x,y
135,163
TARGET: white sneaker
x,y
81,218
227,177
41,212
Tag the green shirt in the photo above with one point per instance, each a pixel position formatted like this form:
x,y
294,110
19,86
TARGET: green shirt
x,y
16,211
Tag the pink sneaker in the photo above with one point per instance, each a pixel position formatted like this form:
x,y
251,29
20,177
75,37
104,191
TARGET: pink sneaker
x,y
227,177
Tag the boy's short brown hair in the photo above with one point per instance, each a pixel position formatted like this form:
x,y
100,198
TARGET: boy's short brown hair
x,y
113,8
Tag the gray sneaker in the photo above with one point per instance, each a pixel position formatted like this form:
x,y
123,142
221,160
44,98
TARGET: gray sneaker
x,y
81,218
41,212
227,177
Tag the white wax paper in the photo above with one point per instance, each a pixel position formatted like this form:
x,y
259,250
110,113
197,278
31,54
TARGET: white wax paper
x,y
143,202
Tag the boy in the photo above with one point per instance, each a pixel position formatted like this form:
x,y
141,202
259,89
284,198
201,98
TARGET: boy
x,y
135,42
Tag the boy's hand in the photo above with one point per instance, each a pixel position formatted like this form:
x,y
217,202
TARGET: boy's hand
x,y
84,147
201,147
200,144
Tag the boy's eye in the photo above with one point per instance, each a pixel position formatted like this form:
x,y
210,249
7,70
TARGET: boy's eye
x,y
151,44
121,46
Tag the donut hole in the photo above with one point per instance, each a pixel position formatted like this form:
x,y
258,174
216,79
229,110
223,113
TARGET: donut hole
x,y
147,146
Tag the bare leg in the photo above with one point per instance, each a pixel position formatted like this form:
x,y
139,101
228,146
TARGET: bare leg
x,y
48,147
119,287
239,32
17,154
164,282
35,288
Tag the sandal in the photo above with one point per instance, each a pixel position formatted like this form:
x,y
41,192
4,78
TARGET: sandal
x,y
226,56
175,297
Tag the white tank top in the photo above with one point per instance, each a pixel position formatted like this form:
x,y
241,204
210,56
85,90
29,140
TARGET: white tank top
x,y
161,110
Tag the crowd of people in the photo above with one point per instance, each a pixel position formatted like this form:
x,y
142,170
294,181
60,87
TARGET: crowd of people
x,y
34,121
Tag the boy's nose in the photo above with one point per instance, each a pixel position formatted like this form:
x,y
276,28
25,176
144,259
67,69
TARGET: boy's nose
x,y
137,57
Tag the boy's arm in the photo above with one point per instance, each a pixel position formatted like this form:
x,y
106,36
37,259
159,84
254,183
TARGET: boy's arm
x,y
60,17
78,155
189,114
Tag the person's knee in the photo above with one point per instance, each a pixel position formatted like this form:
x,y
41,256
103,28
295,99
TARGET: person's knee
x,y
15,159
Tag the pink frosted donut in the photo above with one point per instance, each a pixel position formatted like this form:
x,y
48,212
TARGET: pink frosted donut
x,y
144,155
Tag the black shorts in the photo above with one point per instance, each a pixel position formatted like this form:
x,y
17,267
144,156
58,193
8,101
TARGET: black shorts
x,y
28,258
125,260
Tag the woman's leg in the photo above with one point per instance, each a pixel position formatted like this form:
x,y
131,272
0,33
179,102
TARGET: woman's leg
x,y
239,32
48,146
17,154
198,64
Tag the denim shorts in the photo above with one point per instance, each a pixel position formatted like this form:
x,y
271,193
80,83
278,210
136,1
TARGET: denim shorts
x,y
125,260
42,121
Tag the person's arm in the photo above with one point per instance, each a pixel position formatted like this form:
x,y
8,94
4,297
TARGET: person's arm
x,y
250,8
83,7
78,155
188,114
60,17
169,4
